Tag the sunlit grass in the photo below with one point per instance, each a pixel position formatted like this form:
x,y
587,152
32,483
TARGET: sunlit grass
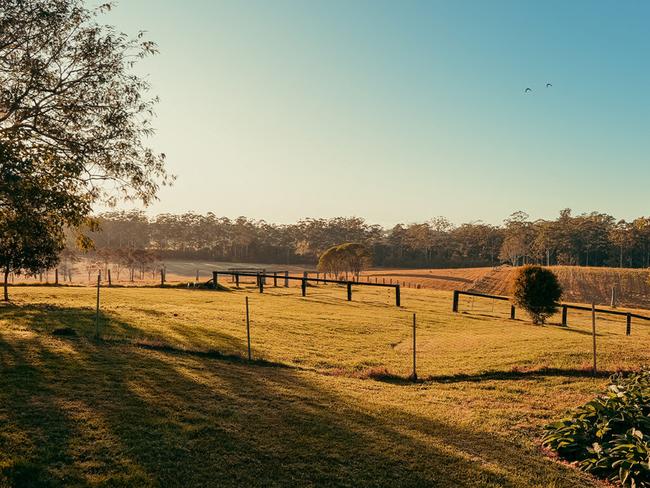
x,y
164,398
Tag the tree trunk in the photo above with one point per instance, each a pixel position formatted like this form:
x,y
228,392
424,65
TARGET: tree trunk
x,y
620,258
6,290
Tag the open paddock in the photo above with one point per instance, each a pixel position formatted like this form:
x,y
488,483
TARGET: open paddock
x,y
165,396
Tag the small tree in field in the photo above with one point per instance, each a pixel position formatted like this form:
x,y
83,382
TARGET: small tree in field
x,y
350,257
537,290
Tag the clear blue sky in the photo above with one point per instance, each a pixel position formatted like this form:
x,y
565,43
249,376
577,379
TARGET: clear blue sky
x,y
399,111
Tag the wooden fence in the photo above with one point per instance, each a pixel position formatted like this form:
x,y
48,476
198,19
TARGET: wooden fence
x,y
565,309
262,277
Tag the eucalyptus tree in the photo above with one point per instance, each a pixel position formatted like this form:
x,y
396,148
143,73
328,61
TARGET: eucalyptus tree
x,y
34,206
69,96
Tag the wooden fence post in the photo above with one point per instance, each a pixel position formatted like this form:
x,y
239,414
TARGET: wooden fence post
x,y
248,330
260,281
303,285
398,301
56,276
512,312
565,311
628,326
286,279
454,306
275,279
162,278
349,291
108,272
215,279
613,302
237,280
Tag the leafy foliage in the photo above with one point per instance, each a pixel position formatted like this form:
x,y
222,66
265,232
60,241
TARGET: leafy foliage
x,y
435,243
35,204
73,124
67,89
537,290
610,435
28,243
350,257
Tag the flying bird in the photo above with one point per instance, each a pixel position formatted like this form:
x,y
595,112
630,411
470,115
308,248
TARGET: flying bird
x,y
548,85
527,90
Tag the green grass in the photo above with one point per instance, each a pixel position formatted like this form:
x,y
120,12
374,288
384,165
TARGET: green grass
x,y
165,398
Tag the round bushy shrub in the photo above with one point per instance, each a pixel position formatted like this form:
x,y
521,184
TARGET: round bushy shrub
x,y
537,291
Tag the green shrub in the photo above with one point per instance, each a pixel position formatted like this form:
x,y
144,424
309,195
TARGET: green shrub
x,y
537,290
609,436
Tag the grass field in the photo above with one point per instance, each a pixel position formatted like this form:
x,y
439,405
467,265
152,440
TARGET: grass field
x,y
165,398
580,283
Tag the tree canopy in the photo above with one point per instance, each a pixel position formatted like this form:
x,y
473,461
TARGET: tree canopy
x,y
422,244
74,119
68,93
350,257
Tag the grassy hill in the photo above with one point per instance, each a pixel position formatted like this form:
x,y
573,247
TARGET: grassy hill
x,y
164,398
580,284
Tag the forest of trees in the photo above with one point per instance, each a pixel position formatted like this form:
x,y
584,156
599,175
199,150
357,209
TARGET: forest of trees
x,y
593,239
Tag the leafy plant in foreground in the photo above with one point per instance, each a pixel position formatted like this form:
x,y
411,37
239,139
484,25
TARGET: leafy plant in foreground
x,y
609,436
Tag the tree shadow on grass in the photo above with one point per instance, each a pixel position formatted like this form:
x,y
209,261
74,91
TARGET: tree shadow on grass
x,y
80,412
81,321
404,380
519,375
573,330
48,318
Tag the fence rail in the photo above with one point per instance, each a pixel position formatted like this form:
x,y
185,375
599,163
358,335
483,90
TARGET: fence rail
x,y
565,308
262,277
457,294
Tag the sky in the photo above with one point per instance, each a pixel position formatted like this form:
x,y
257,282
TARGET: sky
x,y
399,111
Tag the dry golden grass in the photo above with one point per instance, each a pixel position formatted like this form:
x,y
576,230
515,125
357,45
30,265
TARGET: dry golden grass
x,y
580,284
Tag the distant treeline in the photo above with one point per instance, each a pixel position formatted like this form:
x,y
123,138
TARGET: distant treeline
x,y
593,239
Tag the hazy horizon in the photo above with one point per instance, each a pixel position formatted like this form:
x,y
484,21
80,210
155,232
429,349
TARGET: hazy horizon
x,y
398,112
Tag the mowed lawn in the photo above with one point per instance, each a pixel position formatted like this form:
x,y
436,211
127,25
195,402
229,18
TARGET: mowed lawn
x,y
165,398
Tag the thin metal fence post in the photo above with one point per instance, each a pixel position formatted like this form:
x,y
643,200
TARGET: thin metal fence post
x,y
415,374
248,330
99,279
593,332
